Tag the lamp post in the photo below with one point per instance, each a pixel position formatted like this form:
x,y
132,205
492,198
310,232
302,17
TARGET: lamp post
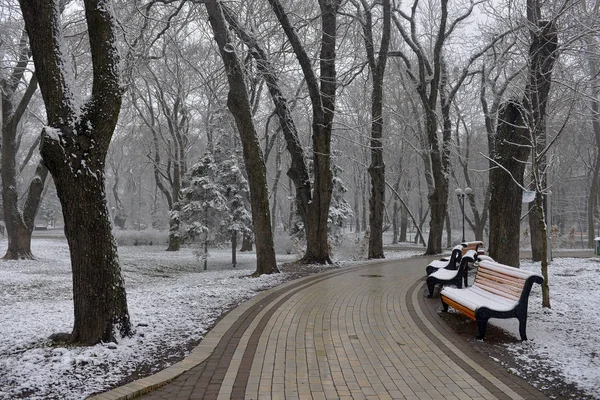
x,y
462,195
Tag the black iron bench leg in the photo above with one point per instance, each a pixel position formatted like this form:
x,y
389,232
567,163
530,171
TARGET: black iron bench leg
x,y
481,325
523,327
430,287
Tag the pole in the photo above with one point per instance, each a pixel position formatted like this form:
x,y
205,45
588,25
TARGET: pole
x,y
462,206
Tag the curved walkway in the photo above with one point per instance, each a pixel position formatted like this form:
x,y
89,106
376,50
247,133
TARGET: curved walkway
x,y
363,332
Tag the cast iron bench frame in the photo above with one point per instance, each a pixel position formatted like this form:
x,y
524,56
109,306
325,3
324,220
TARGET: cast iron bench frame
x,y
444,262
499,291
446,277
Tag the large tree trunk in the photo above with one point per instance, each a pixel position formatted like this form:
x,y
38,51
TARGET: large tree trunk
x,y
238,104
74,147
322,93
512,148
174,222
19,225
98,288
403,224
594,73
377,167
535,231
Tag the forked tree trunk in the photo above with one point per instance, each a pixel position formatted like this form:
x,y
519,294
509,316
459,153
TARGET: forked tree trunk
x,y
238,104
19,224
322,92
74,148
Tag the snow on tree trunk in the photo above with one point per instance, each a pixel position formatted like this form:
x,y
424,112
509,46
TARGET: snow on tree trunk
x,y
74,147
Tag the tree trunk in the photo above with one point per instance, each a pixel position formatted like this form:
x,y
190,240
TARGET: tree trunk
x,y
233,249
377,167
74,147
357,197
322,93
448,232
246,243
512,149
238,104
535,233
594,73
403,223
395,227
174,222
19,225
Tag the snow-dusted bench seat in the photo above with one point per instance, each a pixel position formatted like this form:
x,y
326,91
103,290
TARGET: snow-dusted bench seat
x,y
499,291
446,277
450,263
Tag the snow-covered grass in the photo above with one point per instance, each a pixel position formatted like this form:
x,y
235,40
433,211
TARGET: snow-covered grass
x,y
172,301
565,338
170,298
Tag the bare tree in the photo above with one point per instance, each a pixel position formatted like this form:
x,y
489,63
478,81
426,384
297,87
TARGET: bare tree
x,y
322,92
377,66
239,105
74,147
19,223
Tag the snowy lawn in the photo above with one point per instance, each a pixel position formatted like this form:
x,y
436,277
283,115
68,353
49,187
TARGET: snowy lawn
x,y
172,303
564,338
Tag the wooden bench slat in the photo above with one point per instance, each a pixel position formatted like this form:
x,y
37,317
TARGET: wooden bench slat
x,y
492,274
459,307
499,291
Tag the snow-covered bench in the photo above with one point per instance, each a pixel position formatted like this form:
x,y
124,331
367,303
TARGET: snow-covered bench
x,y
475,245
450,263
499,291
445,277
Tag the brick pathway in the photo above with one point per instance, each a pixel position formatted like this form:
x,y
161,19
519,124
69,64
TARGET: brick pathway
x,y
362,332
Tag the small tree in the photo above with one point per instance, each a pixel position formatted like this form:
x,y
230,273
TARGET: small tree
x,y
202,203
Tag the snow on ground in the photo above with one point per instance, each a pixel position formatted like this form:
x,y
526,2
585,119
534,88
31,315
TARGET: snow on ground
x,y
565,337
172,301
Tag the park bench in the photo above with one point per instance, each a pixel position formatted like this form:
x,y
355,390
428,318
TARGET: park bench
x,y
445,277
475,245
448,263
499,291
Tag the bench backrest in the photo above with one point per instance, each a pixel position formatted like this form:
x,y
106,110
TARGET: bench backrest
x,y
509,282
455,257
466,246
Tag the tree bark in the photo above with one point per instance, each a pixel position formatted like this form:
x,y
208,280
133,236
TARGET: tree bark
x,y
234,249
19,224
594,72
377,167
322,93
239,105
512,148
74,147
298,171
